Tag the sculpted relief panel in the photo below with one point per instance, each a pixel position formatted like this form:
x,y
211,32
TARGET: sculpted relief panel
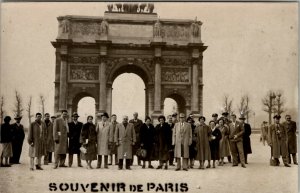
x,y
88,73
175,75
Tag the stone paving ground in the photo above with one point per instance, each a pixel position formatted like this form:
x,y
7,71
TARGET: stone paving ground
x,y
258,177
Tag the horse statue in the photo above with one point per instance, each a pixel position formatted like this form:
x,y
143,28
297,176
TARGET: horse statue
x,y
110,7
142,7
119,7
150,7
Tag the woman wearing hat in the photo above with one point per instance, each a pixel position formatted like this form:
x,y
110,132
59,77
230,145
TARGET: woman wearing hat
x,y
163,141
103,138
224,143
147,137
203,134
88,139
6,139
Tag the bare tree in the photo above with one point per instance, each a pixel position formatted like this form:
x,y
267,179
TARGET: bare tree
x,y
244,107
279,103
1,108
28,109
268,104
42,104
18,110
228,104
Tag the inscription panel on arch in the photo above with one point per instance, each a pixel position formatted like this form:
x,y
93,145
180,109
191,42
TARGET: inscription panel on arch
x,y
176,75
83,73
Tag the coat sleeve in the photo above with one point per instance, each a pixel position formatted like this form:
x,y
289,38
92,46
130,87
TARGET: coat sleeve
x,y
174,135
190,134
242,131
55,130
110,133
133,134
30,134
116,135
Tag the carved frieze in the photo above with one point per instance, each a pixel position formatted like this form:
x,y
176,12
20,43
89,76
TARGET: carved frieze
x,y
175,75
85,73
84,59
176,62
86,28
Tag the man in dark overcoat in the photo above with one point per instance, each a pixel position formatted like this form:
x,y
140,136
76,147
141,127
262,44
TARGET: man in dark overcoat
x,y
49,141
291,129
18,136
74,139
137,127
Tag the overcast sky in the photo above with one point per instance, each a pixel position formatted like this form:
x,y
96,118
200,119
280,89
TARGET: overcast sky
x,y
252,48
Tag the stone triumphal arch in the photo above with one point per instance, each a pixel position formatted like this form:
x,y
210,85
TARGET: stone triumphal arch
x,y
92,51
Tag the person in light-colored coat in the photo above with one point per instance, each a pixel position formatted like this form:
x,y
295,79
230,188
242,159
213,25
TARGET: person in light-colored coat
x,y
113,147
182,139
278,141
102,130
37,136
60,134
125,138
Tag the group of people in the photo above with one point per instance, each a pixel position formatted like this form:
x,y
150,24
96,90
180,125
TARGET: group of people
x,y
282,138
182,140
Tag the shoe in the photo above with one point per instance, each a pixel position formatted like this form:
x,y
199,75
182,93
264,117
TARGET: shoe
x,y
246,162
128,168
234,165
166,167
79,165
98,167
191,167
177,169
109,164
38,167
296,163
2,165
185,169
31,169
287,165
62,166
208,166
105,167
243,165
70,166
90,167
172,164
55,167
159,167
150,167
214,166
143,166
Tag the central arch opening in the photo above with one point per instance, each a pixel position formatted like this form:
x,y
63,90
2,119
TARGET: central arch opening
x,y
86,107
128,96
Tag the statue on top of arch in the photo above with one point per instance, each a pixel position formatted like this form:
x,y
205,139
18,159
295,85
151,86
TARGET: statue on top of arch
x,y
131,7
103,27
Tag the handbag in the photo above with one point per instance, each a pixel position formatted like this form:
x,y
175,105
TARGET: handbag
x,y
83,150
141,153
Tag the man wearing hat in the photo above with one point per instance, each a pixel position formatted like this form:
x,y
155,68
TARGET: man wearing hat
x,y
236,131
18,136
74,139
60,134
182,139
278,141
215,117
103,142
246,138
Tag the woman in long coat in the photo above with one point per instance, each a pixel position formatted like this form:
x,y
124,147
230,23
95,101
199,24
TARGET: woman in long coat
x,y
202,133
147,137
214,142
88,139
224,143
6,141
163,141
103,130
192,147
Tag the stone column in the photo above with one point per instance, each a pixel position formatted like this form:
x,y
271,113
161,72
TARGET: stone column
x,y
63,83
195,86
157,86
146,103
102,95
109,100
